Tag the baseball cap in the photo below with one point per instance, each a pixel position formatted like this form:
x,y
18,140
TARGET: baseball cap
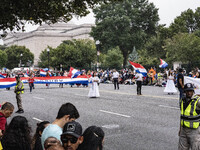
x,y
189,87
72,128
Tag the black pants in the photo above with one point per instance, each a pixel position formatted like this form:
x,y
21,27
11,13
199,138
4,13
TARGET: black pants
x,y
31,86
116,83
139,87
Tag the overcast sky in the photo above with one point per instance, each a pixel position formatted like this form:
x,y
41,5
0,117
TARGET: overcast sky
x,y
168,10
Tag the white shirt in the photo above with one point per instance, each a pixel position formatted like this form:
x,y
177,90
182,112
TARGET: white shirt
x,y
138,77
115,74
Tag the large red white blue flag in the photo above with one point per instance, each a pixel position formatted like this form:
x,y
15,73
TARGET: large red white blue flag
x,y
74,73
82,79
163,64
3,75
139,68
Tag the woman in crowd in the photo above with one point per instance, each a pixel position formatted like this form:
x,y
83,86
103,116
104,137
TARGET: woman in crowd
x,y
17,135
93,139
36,141
94,89
170,87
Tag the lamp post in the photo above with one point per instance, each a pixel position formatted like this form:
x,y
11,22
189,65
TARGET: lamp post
x,y
48,57
21,59
98,53
60,67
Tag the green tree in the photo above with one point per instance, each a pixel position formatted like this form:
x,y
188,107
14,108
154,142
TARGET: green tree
x,y
125,24
14,14
75,53
3,58
113,59
14,56
187,22
43,58
183,47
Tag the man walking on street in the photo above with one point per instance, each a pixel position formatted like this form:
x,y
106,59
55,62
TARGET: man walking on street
x,y
19,89
180,82
189,133
139,80
115,77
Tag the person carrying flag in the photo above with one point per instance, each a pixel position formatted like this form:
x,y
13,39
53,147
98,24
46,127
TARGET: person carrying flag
x,y
31,83
139,80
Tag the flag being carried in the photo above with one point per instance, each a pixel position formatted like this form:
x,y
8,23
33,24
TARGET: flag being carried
x,y
73,73
139,68
163,64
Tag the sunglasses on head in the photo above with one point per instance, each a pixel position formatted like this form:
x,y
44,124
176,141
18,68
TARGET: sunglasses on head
x,y
73,140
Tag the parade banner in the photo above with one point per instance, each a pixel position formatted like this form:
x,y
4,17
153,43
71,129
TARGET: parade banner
x,y
195,82
82,79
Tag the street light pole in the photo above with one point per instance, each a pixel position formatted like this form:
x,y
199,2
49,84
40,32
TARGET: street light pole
x,y
21,60
98,53
48,57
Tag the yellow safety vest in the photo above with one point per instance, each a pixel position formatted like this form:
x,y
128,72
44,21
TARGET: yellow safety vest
x,y
189,116
22,88
159,75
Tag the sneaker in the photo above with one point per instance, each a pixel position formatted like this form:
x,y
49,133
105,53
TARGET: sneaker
x,y
20,111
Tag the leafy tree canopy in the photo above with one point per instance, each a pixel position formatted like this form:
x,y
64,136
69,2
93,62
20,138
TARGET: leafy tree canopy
x,y
183,47
75,53
15,13
14,56
3,58
187,22
125,24
113,59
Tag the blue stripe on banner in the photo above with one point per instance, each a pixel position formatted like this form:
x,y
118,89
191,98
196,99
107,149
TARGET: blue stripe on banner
x,y
84,82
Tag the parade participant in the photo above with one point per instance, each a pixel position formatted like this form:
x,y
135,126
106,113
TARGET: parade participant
x,y
138,78
31,83
66,113
47,75
159,76
170,87
19,89
5,112
189,133
180,82
94,89
72,135
115,76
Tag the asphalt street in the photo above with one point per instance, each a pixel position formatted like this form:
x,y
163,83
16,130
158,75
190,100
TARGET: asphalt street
x,y
131,122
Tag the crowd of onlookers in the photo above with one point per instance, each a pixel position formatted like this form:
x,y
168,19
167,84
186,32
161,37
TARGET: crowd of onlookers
x,y
64,133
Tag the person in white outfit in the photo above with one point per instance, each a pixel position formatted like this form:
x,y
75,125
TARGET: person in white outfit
x,y
94,89
170,87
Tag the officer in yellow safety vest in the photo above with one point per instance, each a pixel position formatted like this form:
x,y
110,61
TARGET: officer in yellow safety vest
x,y
159,79
19,89
189,134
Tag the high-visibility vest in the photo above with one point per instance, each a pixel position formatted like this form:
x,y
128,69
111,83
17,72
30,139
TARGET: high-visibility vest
x,y
1,148
159,75
189,116
22,88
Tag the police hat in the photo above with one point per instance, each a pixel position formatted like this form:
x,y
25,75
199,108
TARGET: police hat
x,y
189,87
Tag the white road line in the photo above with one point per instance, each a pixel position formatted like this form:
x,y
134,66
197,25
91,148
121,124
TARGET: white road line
x,y
111,126
109,112
37,119
80,95
38,98
168,107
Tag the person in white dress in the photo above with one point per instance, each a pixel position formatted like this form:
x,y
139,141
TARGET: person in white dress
x,y
170,87
94,89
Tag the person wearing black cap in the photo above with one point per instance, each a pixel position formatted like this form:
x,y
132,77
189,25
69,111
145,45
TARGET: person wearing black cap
x,y
72,135
189,133
19,89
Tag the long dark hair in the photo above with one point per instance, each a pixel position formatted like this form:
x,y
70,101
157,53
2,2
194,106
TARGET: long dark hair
x,y
36,141
17,135
93,138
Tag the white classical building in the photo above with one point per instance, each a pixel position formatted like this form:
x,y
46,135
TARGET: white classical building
x,y
48,35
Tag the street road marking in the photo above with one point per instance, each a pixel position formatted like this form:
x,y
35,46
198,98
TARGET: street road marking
x,y
37,119
80,95
109,112
169,107
38,98
111,126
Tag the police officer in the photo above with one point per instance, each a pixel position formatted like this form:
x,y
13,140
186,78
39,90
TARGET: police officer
x,y
189,134
19,89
